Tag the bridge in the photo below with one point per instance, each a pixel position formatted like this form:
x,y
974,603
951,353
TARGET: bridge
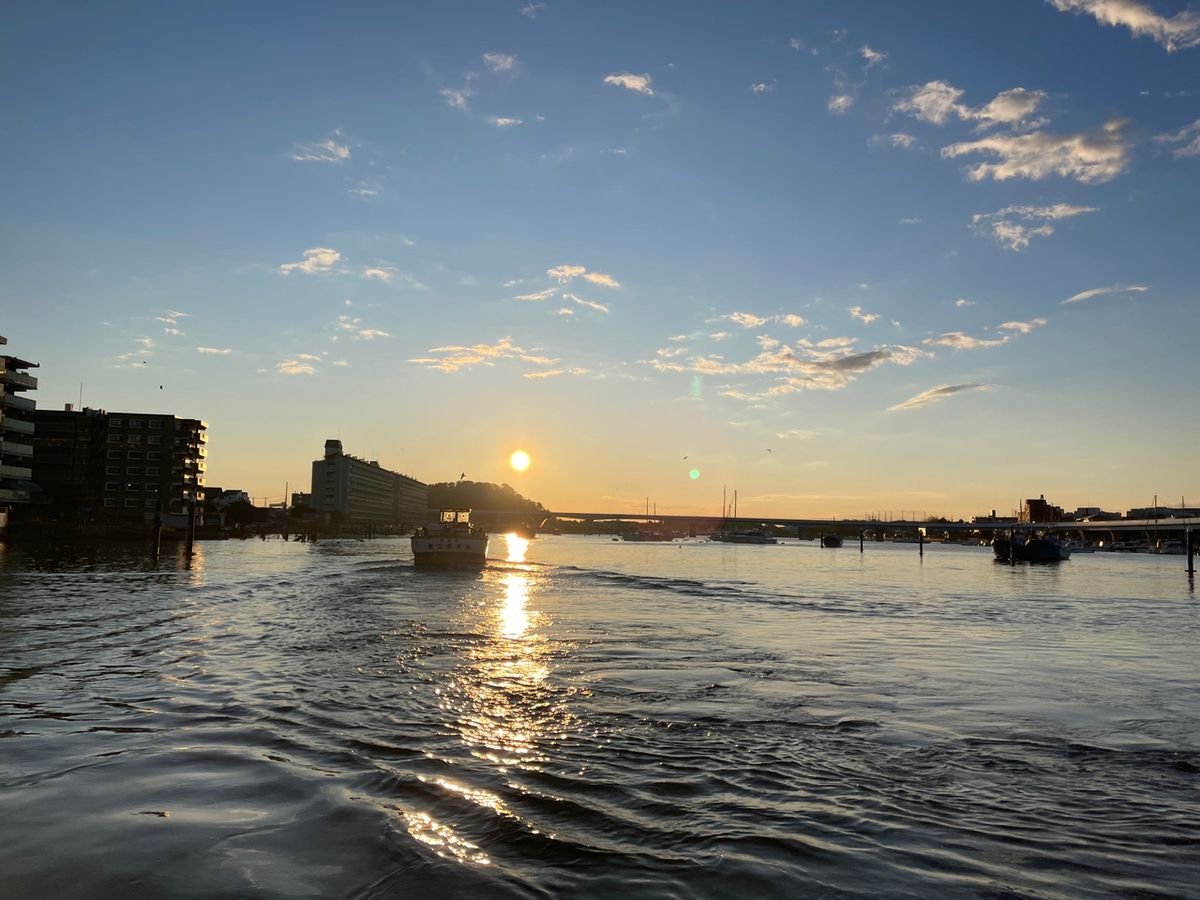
x,y
1174,526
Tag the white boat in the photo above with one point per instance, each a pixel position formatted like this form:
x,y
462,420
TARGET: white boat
x,y
450,542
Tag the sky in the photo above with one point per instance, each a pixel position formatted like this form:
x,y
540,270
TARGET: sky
x,y
846,258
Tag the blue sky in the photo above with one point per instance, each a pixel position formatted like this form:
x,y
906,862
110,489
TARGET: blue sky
x,y
933,256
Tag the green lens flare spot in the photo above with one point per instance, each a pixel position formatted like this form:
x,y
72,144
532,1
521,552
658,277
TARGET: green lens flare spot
x,y
694,474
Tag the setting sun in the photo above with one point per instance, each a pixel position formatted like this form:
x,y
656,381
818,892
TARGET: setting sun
x,y
519,460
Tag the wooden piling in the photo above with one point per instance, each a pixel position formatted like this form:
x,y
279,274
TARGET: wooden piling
x,y
156,533
1191,554
921,542
190,549
861,532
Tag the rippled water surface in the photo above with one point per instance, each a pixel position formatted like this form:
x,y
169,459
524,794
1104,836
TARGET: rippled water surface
x,y
658,720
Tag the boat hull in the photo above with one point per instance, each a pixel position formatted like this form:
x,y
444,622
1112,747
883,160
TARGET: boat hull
x,y
1032,550
449,552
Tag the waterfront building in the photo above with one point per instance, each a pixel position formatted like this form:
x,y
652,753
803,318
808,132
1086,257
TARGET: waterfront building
x,y
353,491
16,433
120,468
1039,510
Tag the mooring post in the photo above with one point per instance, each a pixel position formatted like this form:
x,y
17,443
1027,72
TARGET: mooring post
x,y
191,530
821,540
1012,556
861,532
156,533
921,542
1191,551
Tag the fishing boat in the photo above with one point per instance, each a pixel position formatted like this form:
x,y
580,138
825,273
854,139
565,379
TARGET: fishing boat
x,y
1027,546
450,542
831,540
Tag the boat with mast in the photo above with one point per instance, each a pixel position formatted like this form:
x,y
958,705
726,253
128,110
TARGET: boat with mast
x,y
734,535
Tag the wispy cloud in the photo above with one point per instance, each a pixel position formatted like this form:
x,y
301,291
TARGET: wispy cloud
x,y
328,150
299,365
356,330
565,274
791,320
1177,32
1101,291
458,97
839,103
872,57
1188,136
537,295
500,62
962,302
1088,157
934,395
639,83
1021,327
959,341
864,317
1014,226
531,10
591,304
317,260
454,358
831,364
937,101
762,87
553,373
217,351
385,274
745,319
504,122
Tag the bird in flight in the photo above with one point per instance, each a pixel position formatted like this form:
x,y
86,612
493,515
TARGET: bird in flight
x,y
768,449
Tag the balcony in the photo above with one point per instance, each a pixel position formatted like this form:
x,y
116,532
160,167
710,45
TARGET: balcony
x,y
19,426
20,380
12,448
8,496
16,401
21,473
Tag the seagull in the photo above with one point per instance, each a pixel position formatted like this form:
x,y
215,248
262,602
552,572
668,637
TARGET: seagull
x,y
685,457
768,449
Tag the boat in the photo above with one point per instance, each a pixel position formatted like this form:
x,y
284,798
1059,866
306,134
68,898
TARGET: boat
x,y
831,540
1027,546
727,535
450,542
1170,547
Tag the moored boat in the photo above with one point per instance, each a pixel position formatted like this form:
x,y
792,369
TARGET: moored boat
x,y
450,542
1025,546
831,540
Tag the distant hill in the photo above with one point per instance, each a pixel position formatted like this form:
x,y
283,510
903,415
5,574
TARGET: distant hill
x,y
503,507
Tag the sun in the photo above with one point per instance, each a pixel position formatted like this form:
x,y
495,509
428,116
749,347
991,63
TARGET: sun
x,y
519,460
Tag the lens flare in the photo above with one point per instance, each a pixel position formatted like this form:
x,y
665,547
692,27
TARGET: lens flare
x,y
519,460
694,474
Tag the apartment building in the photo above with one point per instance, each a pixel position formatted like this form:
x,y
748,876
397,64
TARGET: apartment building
x,y
16,433
353,491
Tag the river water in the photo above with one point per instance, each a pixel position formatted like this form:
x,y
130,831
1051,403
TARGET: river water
x,y
650,720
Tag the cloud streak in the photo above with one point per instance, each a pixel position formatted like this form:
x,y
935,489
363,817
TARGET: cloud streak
x,y
639,83
317,261
1015,226
937,394
1084,296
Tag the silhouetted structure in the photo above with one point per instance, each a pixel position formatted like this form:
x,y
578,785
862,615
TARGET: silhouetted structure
x,y
351,491
16,432
117,468
1040,511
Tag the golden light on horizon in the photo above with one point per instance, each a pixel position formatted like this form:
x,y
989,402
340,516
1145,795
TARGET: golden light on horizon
x,y
519,460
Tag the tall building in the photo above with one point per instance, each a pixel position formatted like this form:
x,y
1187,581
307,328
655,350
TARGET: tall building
x,y
16,432
120,467
353,491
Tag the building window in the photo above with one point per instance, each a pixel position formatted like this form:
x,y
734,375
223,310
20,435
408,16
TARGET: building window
x,y
135,438
114,454
116,423
115,438
150,504
135,423
133,470
132,503
153,454
154,439
133,487
151,470
135,454
156,423
151,488
112,470
110,502
111,486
